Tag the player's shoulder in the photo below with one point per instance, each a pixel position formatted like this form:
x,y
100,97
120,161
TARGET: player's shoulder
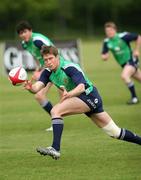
x,y
65,66
47,70
122,34
70,66
106,40
66,63
38,36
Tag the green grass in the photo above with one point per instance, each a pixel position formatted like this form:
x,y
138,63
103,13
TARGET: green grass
x,y
87,153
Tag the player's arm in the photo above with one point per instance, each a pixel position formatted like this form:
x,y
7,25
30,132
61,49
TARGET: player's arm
x,y
105,51
129,37
105,56
78,79
33,88
38,43
75,92
40,84
137,47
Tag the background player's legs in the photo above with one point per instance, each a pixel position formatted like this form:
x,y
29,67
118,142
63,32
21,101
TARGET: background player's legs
x,y
137,75
42,100
127,73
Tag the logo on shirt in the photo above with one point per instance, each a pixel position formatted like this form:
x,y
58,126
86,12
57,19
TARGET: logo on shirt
x,y
117,48
65,80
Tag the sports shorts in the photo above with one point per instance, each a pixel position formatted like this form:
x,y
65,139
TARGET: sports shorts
x,y
93,100
133,62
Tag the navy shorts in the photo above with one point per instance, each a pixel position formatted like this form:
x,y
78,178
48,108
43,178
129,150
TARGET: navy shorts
x,y
93,100
133,62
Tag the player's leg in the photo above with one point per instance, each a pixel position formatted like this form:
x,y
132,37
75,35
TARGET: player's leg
x,y
127,73
137,75
104,121
69,106
42,100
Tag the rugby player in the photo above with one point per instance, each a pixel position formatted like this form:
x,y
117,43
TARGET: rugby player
x,y
119,45
32,42
79,96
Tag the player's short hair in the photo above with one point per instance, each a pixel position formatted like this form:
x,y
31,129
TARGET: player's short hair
x,y
110,24
22,25
49,50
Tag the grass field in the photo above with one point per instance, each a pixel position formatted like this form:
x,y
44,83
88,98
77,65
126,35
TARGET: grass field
x,y
87,153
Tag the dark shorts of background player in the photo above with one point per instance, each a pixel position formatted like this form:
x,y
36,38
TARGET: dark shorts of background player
x,y
133,62
93,100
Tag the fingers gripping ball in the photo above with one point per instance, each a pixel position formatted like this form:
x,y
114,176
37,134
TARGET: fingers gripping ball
x,y
18,75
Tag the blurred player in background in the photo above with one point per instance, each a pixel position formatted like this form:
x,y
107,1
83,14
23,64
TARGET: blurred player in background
x,y
79,96
119,45
32,42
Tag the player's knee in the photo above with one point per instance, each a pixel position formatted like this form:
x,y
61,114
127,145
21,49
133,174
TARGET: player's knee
x,y
123,77
112,129
55,112
39,97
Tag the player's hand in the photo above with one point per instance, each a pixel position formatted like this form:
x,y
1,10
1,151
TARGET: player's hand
x,y
136,53
65,94
105,56
28,85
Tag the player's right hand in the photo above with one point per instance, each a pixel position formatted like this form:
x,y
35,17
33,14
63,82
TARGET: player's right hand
x,y
28,85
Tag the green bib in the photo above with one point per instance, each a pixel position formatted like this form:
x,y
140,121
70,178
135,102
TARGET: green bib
x,y
120,50
60,78
35,51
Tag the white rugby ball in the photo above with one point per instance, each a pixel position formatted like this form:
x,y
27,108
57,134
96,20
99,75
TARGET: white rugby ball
x,y
17,75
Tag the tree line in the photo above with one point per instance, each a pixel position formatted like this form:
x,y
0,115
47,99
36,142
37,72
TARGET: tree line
x,y
64,16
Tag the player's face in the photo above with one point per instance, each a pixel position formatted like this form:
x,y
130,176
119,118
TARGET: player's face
x,y
25,34
51,61
110,32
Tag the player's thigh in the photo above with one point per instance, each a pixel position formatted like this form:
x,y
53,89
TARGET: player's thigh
x,y
101,119
70,106
128,71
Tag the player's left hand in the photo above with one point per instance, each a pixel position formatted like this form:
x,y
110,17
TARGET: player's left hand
x,y
65,94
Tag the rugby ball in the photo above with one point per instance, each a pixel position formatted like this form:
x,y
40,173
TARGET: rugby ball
x,y
17,75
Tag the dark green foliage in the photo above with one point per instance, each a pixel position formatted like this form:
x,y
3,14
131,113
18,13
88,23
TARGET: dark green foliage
x,y
64,16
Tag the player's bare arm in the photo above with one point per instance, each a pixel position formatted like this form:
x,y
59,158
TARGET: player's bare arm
x,y
137,48
75,92
34,88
